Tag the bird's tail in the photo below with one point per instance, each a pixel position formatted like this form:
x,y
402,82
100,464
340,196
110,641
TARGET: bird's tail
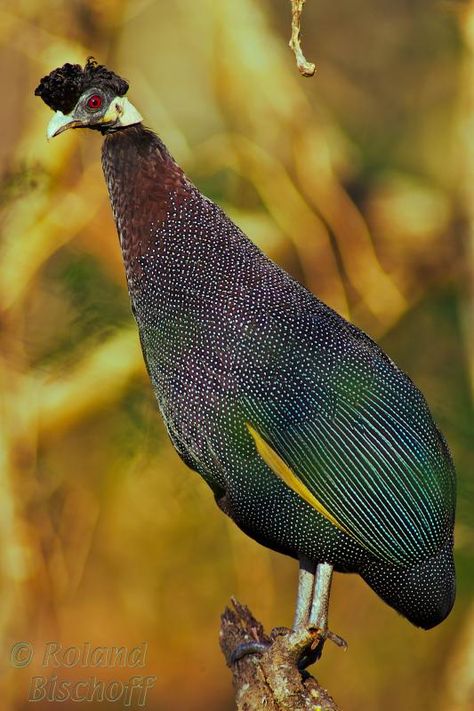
x,y
423,593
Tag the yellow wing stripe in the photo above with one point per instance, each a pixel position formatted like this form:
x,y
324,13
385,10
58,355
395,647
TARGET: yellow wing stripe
x,y
282,470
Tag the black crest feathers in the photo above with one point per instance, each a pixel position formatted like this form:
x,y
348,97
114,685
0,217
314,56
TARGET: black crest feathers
x,y
62,87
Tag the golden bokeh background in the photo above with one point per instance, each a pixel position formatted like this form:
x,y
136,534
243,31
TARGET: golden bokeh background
x,y
360,183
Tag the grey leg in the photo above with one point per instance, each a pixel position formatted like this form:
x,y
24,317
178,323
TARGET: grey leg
x,y
303,608
310,626
318,616
305,592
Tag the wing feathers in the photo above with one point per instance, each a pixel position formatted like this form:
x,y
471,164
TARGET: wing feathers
x,y
367,471
276,463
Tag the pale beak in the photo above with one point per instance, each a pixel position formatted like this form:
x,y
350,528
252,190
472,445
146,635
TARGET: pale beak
x,y
120,112
60,123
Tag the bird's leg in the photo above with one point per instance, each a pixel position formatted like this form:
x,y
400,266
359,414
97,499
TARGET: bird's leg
x,y
305,592
310,630
318,617
302,639
305,641
317,620
300,623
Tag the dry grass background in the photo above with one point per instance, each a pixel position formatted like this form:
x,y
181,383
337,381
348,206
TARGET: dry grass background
x,y
359,182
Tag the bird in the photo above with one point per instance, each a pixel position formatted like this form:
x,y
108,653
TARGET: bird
x,y
311,439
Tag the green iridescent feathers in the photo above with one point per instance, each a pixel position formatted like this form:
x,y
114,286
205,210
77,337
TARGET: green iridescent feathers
x,y
380,471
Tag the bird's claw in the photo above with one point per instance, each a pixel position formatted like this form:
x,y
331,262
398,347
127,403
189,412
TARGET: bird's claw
x,y
325,635
247,648
339,641
304,644
310,648
279,632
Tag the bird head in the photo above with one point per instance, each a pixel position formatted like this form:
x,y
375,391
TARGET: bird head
x,y
89,97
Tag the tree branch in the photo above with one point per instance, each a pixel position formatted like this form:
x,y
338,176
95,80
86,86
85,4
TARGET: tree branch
x,y
272,680
306,68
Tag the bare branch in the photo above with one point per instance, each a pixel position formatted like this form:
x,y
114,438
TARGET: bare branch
x,y
272,680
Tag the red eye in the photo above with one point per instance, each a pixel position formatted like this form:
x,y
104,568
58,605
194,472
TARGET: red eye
x,y
94,102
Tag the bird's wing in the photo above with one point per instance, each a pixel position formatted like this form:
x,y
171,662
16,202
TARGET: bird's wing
x,y
362,449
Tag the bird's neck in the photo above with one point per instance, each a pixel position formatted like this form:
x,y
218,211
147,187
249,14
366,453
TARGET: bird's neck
x,y
178,247
143,180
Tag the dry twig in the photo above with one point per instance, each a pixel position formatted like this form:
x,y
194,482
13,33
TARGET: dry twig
x,y
306,68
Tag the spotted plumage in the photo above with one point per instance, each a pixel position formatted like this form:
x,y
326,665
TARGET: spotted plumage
x,y
313,441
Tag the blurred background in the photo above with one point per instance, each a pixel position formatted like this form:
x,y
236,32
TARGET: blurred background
x,y
360,183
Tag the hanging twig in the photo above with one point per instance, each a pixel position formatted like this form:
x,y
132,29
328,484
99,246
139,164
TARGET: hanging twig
x,y
306,68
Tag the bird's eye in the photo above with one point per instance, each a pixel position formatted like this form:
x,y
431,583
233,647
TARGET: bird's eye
x,y
94,102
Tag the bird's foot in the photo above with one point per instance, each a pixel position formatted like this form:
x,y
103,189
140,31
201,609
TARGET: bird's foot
x,y
307,644
303,646
269,670
257,646
247,648
338,641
